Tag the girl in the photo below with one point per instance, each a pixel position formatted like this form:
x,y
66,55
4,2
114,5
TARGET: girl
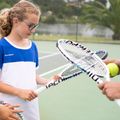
x,y
19,59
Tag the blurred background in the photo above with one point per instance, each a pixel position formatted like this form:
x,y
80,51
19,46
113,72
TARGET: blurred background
x,y
96,23
79,20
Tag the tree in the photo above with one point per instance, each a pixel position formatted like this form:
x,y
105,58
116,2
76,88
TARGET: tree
x,y
96,13
3,4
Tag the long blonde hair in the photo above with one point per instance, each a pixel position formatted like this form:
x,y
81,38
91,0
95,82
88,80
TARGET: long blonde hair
x,y
20,11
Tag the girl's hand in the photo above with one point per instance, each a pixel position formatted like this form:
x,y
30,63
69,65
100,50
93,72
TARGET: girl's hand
x,y
26,94
56,77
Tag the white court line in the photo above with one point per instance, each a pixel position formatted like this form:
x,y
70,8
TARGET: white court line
x,y
51,71
48,56
46,52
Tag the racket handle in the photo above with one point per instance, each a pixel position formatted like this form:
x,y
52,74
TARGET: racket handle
x,y
117,101
39,90
99,81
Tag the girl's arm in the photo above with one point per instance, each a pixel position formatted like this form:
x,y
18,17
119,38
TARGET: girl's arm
x,y
25,94
8,89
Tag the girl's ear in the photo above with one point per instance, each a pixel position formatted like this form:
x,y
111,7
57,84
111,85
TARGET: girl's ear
x,y
15,20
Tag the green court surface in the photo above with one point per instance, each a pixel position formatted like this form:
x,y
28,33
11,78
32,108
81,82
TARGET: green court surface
x,y
78,98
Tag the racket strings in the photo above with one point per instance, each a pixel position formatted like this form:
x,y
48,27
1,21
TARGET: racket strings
x,y
70,71
85,60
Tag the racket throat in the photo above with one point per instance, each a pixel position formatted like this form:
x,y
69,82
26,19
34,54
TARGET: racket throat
x,y
93,76
54,83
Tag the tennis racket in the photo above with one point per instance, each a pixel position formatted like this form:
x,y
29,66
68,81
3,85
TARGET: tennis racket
x,y
20,116
85,59
69,72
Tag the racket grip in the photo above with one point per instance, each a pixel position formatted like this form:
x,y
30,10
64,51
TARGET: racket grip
x,y
39,90
117,101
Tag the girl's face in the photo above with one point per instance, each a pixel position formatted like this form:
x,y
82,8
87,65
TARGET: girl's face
x,y
26,27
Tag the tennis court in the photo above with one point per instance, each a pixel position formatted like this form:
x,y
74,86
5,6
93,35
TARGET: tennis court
x,y
78,98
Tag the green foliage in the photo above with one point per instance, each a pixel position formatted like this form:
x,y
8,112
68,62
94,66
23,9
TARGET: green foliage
x,y
96,13
50,19
11,2
59,9
3,5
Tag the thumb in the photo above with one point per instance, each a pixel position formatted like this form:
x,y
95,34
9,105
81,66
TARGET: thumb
x,y
101,86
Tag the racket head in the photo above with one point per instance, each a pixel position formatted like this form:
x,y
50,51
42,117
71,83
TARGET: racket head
x,y
72,70
69,72
102,54
82,57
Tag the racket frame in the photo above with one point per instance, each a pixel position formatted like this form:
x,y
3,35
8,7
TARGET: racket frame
x,y
88,52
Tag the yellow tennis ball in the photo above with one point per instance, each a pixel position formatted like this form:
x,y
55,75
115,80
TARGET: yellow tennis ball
x,y
113,69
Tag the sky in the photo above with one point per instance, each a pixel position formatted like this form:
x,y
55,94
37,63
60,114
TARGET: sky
x,y
107,5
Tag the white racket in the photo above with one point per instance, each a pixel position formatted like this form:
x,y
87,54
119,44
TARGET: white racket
x,y
84,58
69,72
